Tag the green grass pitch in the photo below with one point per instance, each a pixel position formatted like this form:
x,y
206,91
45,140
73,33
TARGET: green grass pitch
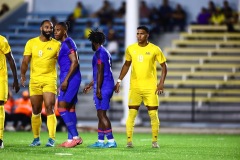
x,y
172,147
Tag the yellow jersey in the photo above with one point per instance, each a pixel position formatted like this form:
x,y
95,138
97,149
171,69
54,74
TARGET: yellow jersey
x,y
43,58
4,49
143,70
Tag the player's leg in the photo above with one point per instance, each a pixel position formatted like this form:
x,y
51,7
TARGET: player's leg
x,y
151,101
3,98
134,101
49,101
100,142
2,119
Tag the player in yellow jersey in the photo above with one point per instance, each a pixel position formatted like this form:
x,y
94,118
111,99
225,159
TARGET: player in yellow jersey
x,y
5,53
41,52
143,56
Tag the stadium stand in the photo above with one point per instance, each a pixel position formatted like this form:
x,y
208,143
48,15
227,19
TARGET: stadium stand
x,y
204,68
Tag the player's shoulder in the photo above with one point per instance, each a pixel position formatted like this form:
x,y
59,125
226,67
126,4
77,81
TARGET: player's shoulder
x,y
3,39
55,41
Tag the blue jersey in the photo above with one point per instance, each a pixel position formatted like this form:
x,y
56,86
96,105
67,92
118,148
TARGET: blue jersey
x,y
103,56
70,95
67,47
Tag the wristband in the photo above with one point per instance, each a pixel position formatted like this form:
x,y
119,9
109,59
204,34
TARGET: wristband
x,y
119,80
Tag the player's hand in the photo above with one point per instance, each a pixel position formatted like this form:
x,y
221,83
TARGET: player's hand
x,y
64,85
99,94
16,86
159,89
87,88
23,80
117,88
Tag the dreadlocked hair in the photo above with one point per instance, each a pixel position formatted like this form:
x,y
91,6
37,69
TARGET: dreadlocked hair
x,y
96,36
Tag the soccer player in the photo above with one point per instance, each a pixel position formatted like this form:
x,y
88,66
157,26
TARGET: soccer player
x,y
5,53
103,85
70,80
143,84
41,52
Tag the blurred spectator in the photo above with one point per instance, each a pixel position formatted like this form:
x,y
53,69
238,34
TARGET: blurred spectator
x,y
71,21
79,11
154,20
144,10
179,17
22,112
4,9
211,7
105,13
228,13
227,10
112,43
217,18
165,13
87,29
8,107
203,17
120,13
54,20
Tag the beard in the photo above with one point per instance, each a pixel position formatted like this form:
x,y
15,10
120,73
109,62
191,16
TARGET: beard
x,y
93,48
46,35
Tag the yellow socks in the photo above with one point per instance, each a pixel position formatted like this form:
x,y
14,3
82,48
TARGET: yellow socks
x,y
153,114
36,125
52,124
130,123
2,119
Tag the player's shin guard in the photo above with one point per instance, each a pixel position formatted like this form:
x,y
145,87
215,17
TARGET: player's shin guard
x,y
2,119
36,124
153,114
130,123
51,125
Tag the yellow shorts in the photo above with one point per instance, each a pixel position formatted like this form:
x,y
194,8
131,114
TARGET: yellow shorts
x,y
147,96
39,86
3,90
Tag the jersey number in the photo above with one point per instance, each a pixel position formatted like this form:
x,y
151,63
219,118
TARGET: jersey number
x,y
140,58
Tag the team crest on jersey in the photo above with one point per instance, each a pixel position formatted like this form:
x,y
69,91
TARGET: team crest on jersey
x,y
147,53
49,48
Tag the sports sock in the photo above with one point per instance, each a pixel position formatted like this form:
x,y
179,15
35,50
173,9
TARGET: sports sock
x,y
36,124
2,119
51,125
72,130
73,116
101,135
153,114
130,123
109,135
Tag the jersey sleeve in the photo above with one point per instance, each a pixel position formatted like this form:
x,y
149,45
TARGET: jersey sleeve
x,y
5,46
160,56
128,56
71,46
28,49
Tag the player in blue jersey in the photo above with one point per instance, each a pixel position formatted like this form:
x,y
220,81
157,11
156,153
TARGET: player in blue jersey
x,y
103,85
70,79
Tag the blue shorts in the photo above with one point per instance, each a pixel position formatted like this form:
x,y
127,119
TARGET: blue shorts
x,y
70,95
104,103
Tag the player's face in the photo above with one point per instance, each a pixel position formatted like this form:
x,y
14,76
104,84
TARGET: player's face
x,y
47,29
142,36
59,32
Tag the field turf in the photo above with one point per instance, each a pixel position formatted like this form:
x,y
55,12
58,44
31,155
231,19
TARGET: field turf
x,y
172,147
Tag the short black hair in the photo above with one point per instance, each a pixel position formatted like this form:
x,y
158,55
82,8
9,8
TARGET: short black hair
x,y
46,20
97,36
144,28
65,25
